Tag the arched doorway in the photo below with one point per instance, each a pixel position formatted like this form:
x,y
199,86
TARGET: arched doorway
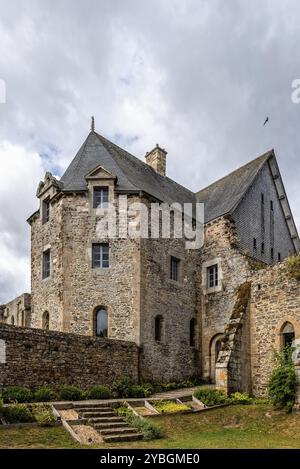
x,y
287,334
101,322
46,321
214,350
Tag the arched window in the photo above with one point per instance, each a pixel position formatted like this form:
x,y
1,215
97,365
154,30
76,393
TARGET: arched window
x,y
218,349
214,350
101,322
288,334
158,328
193,324
12,321
46,321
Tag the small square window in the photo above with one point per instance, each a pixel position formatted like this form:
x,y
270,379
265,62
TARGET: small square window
x,y
100,199
46,210
174,268
100,255
46,263
212,276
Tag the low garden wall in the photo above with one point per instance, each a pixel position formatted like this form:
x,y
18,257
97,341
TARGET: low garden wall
x,y
34,358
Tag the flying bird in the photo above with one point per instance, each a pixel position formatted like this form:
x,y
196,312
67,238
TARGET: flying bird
x,y
267,120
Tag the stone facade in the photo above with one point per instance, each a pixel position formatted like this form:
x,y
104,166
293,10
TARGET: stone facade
x,y
35,358
17,312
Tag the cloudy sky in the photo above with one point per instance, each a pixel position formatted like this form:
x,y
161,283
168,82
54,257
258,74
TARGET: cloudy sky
x,y
197,77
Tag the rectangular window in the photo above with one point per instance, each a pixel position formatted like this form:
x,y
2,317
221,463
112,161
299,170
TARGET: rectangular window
x,y
100,197
271,205
254,244
262,248
174,268
279,257
100,255
46,210
272,254
212,276
262,198
46,263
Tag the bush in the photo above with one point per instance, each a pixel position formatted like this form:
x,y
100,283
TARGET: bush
x,y
169,406
18,413
149,430
99,392
283,381
70,393
293,266
122,387
1,408
43,415
140,390
16,394
211,397
44,395
241,398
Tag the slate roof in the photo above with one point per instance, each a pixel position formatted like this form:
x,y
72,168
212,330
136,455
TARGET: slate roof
x,y
224,195
132,173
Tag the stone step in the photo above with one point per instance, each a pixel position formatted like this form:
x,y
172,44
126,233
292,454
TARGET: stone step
x,y
88,415
93,409
84,405
107,425
123,437
117,430
105,419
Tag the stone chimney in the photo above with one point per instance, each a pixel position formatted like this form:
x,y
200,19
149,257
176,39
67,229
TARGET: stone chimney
x,y
156,158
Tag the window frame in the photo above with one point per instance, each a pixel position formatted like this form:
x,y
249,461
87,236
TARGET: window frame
x,y
174,273
46,210
103,203
212,273
103,257
46,264
100,309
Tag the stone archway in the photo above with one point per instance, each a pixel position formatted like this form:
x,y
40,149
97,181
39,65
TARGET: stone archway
x,y
214,349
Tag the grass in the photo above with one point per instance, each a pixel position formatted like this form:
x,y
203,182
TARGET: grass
x,y
251,426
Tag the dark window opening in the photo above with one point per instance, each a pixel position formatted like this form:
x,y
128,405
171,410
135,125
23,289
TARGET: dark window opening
x,y
262,248
174,268
101,322
46,210
271,205
212,276
262,198
100,197
158,328
254,244
288,334
279,257
272,254
193,324
46,263
100,255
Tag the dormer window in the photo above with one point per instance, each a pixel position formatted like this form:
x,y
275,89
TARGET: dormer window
x,y
46,210
100,199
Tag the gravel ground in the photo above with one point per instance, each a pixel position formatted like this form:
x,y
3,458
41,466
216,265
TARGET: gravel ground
x,y
88,435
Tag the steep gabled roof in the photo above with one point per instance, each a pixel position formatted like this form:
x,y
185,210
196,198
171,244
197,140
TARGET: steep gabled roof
x,y
132,174
224,195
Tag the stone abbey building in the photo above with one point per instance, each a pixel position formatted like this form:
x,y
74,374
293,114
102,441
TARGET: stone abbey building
x,y
216,312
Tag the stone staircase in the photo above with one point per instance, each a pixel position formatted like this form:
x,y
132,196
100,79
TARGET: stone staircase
x,y
105,420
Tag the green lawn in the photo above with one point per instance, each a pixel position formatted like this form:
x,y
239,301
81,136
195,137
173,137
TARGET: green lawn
x,y
255,426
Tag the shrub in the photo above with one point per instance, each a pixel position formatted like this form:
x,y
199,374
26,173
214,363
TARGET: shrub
x,y
293,266
43,415
18,413
283,381
211,397
122,387
16,394
99,392
149,430
169,406
1,408
140,390
241,398
70,393
44,395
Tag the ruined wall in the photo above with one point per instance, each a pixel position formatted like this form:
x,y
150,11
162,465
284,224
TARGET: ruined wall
x,y
33,358
17,311
275,299
217,303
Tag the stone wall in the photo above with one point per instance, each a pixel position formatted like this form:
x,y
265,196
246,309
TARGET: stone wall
x,y
34,358
17,311
275,300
